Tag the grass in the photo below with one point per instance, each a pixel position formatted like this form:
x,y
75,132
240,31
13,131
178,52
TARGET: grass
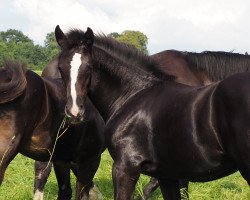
x,y
18,184
39,72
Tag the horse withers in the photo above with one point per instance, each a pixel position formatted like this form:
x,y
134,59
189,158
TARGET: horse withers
x,y
154,125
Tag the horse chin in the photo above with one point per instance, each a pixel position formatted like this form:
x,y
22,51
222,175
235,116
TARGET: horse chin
x,y
75,121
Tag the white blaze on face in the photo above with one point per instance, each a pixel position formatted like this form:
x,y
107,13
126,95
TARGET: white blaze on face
x,y
75,65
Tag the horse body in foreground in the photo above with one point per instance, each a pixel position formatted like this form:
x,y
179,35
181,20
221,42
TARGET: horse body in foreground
x,y
154,125
194,69
32,111
197,69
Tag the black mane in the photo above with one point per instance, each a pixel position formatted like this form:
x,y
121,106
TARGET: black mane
x,y
218,64
122,51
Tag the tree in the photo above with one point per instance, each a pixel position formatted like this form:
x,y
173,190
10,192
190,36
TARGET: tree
x,y
115,35
51,45
3,51
15,45
12,35
135,38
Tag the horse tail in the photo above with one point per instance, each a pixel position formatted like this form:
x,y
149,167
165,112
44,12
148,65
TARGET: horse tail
x,y
12,81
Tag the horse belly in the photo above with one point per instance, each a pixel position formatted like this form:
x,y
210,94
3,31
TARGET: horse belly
x,y
192,161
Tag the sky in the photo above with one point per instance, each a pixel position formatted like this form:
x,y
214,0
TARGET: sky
x,y
186,25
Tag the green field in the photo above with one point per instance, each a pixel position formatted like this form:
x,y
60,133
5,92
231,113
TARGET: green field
x,y
18,184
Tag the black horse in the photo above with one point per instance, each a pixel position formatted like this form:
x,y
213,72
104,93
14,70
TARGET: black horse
x,y
32,111
154,125
194,69
43,169
197,69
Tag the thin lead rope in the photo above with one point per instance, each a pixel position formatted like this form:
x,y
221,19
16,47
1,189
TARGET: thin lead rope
x,y
58,135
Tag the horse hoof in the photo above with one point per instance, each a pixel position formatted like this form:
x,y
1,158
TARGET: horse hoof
x,y
95,194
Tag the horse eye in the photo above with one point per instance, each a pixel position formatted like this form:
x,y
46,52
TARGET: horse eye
x,y
89,66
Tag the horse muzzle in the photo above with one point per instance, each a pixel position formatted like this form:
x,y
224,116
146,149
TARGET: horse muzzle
x,y
76,118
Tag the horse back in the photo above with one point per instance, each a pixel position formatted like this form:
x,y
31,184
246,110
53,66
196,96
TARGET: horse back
x,y
175,63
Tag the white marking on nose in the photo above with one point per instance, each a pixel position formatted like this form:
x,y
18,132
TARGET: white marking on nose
x,y
75,65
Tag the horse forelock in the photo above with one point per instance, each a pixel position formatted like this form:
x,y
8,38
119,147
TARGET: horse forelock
x,y
74,37
217,64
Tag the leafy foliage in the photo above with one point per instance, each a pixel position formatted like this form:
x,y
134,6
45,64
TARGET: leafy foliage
x,y
51,45
135,38
15,45
14,36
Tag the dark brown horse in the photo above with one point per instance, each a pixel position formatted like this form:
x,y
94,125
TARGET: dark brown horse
x,y
32,111
43,169
201,68
154,125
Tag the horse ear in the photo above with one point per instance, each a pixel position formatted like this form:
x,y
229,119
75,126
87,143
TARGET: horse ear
x,y
60,37
89,36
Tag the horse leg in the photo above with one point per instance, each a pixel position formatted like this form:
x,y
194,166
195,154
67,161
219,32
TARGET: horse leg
x,y
124,181
170,189
62,172
183,184
242,138
8,150
153,184
242,156
42,171
85,173
149,188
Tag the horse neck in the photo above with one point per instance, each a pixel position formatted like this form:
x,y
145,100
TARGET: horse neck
x,y
217,66
114,82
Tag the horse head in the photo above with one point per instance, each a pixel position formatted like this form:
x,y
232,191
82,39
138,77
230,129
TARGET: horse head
x,y
75,58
